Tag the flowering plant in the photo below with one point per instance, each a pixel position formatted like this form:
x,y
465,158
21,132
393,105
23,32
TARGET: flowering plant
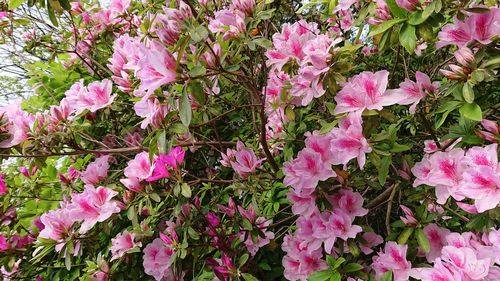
x,y
251,140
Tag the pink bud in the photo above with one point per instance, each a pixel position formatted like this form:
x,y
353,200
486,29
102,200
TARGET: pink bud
x,y
465,57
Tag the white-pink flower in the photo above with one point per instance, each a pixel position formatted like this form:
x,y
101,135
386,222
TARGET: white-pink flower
x,y
122,243
157,259
96,171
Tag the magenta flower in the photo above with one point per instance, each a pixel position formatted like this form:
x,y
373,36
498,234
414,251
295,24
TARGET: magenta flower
x,y
4,245
408,5
122,243
96,171
366,90
3,185
392,258
93,205
157,259
164,161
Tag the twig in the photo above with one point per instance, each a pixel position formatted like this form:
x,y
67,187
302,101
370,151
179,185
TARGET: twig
x,y
389,209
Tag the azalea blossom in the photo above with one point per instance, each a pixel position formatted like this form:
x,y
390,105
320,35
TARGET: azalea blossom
x,y
96,171
392,258
122,243
414,92
366,90
17,124
156,68
93,205
157,259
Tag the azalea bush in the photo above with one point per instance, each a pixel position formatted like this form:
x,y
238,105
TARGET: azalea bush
x,y
251,140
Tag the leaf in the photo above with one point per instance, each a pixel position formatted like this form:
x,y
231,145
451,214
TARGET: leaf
x,y
332,5
249,277
386,276
162,142
395,9
322,275
407,38
266,14
429,9
243,259
263,42
352,267
185,109
51,13
422,240
198,34
471,111
384,169
405,235
155,197
186,190
353,248
468,93
14,4
384,26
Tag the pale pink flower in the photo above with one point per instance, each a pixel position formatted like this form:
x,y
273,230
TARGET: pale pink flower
x,y
340,225
93,205
119,7
253,246
151,110
307,170
351,203
229,22
58,225
17,124
382,13
370,240
299,262
96,96
492,132
140,167
446,173
413,92
483,185
157,259
393,258
465,261
96,171
366,90
156,68
303,205
458,33
437,240
484,26
132,184
246,162
348,141
439,272
122,243
246,6
409,218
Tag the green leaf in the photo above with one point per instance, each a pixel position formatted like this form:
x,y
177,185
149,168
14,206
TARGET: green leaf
x,y
468,93
407,38
353,248
386,276
155,197
417,18
422,240
186,190
185,109
243,259
52,15
429,9
14,4
266,14
162,142
332,5
199,33
263,42
395,9
249,277
384,26
384,169
405,235
352,267
478,222
198,70
322,275
471,111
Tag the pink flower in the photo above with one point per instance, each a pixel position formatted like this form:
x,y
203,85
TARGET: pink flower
x,y
382,13
4,245
230,210
349,202
412,92
97,95
132,184
151,110
492,132
17,124
465,261
163,161
484,26
465,57
437,240
348,141
446,173
408,5
303,205
341,226
299,262
246,162
3,185
393,258
122,243
58,225
246,6
229,22
254,245
458,33
371,239
157,259
409,218
156,68
366,90
304,172
96,171
439,272
140,167
119,7
93,205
